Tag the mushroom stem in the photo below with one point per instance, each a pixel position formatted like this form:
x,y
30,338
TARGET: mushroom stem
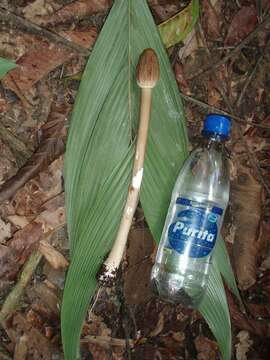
x,y
147,77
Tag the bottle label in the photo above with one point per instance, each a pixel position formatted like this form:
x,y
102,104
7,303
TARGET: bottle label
x,y
195,228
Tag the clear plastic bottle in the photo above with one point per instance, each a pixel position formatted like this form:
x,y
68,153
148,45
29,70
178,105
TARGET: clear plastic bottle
x,y
194,219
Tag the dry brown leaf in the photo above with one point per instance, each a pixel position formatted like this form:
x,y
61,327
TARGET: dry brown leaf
x,y
18,221
29,199
44,57
54,257
40,8
243,22
210,20
47,296
180,78
27,239
52,146
9,265
39,347
191,43
163,10
5,231
8,165
244,322
34,65
76,10
14,44
85,38
214,96
247,197
207,349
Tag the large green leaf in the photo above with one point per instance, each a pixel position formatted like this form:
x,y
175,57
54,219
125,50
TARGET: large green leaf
x,y
6,66
102,128
99,157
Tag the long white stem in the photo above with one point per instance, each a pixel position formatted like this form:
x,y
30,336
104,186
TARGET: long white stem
x,y
113,261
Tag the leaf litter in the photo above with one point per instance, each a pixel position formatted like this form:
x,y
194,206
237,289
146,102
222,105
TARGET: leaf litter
x,y
35,207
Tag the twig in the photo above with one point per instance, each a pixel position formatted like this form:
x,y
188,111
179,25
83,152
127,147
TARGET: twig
x,y
26,25
238,48
106,341
13,298
209,107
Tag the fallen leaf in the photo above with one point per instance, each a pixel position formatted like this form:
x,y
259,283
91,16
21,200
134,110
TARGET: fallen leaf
x,y
47,296
14,44
54,257
24,240
243,322
44,57
210,20
164,10
28,200
5,231
9,265
243,22
40,8
180,25
207,349
85,38
247,197
7,162
180,78
191,43
34,65
76,10
39,347
18,221
52,146
214,96
27,239
243,346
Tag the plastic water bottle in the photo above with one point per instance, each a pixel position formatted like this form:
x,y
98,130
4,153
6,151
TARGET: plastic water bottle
x,y
194,219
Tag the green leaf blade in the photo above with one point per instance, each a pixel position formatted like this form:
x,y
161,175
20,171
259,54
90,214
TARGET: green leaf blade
x,y
95,242
222,260
6,66
215,311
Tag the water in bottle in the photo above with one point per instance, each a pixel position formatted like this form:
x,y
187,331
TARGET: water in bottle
x,y
199,199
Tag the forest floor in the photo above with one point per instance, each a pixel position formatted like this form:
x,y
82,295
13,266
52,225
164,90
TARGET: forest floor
x,y
223,64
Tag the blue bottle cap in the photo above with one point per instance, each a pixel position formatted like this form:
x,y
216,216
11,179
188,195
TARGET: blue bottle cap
x,y
217,124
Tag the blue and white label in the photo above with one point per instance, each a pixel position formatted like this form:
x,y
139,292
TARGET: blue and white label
x,y
195,228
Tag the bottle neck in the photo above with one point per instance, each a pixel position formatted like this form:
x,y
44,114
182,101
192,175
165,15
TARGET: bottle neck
x,y
215,141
